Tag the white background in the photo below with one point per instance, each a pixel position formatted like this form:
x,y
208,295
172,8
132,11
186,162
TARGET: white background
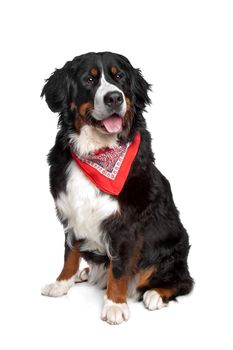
x,y
184,49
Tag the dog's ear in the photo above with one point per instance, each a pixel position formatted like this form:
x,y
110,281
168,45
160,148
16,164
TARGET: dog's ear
x,y
140,89
57,89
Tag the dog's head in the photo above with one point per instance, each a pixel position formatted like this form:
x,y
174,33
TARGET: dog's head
x,y
98,89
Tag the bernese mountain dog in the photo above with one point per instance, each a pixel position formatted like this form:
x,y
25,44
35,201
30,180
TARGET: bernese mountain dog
x,y
116,207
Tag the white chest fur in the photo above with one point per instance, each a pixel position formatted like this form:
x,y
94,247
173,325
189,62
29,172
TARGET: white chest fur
x,y
85,207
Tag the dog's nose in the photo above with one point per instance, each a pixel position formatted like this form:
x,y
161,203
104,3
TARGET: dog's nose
x,y
113,99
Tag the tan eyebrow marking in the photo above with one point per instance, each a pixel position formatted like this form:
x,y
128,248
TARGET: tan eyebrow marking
x,y
94,72
114,70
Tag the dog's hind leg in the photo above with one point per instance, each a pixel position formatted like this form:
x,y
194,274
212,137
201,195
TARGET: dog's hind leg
x,y
66,279
158,289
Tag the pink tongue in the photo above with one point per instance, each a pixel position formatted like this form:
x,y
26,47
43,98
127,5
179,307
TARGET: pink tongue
x,y
113,124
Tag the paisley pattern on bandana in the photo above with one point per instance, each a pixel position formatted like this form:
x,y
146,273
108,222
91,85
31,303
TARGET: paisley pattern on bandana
x,y
109,168
109,161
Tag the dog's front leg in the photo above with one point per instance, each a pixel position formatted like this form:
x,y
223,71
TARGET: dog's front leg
x,y
115,309
66,278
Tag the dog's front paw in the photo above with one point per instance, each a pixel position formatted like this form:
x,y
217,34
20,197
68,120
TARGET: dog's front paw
x,y
114,313
153,301
57,289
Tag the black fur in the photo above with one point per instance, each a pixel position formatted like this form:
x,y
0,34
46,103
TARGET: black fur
x,y
148,213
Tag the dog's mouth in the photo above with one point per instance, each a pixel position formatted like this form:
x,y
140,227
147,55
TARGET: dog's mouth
x,y
112,124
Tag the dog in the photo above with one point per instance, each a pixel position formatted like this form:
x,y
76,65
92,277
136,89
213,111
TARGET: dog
x,y
116,207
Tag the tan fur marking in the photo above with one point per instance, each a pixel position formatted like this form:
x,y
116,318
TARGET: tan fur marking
x,y
80,119
117,287
71,265
113,70
127,120
86,106
144,276
128,103
79,123
127,124
94,72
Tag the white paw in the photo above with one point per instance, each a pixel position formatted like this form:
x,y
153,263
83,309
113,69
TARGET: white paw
x,y
153,301
82,275
114,313
58,288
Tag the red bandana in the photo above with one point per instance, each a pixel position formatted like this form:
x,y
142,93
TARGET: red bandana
x,y
108,169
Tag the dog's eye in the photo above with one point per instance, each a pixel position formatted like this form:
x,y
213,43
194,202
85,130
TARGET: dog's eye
x,y
90,80
118,76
